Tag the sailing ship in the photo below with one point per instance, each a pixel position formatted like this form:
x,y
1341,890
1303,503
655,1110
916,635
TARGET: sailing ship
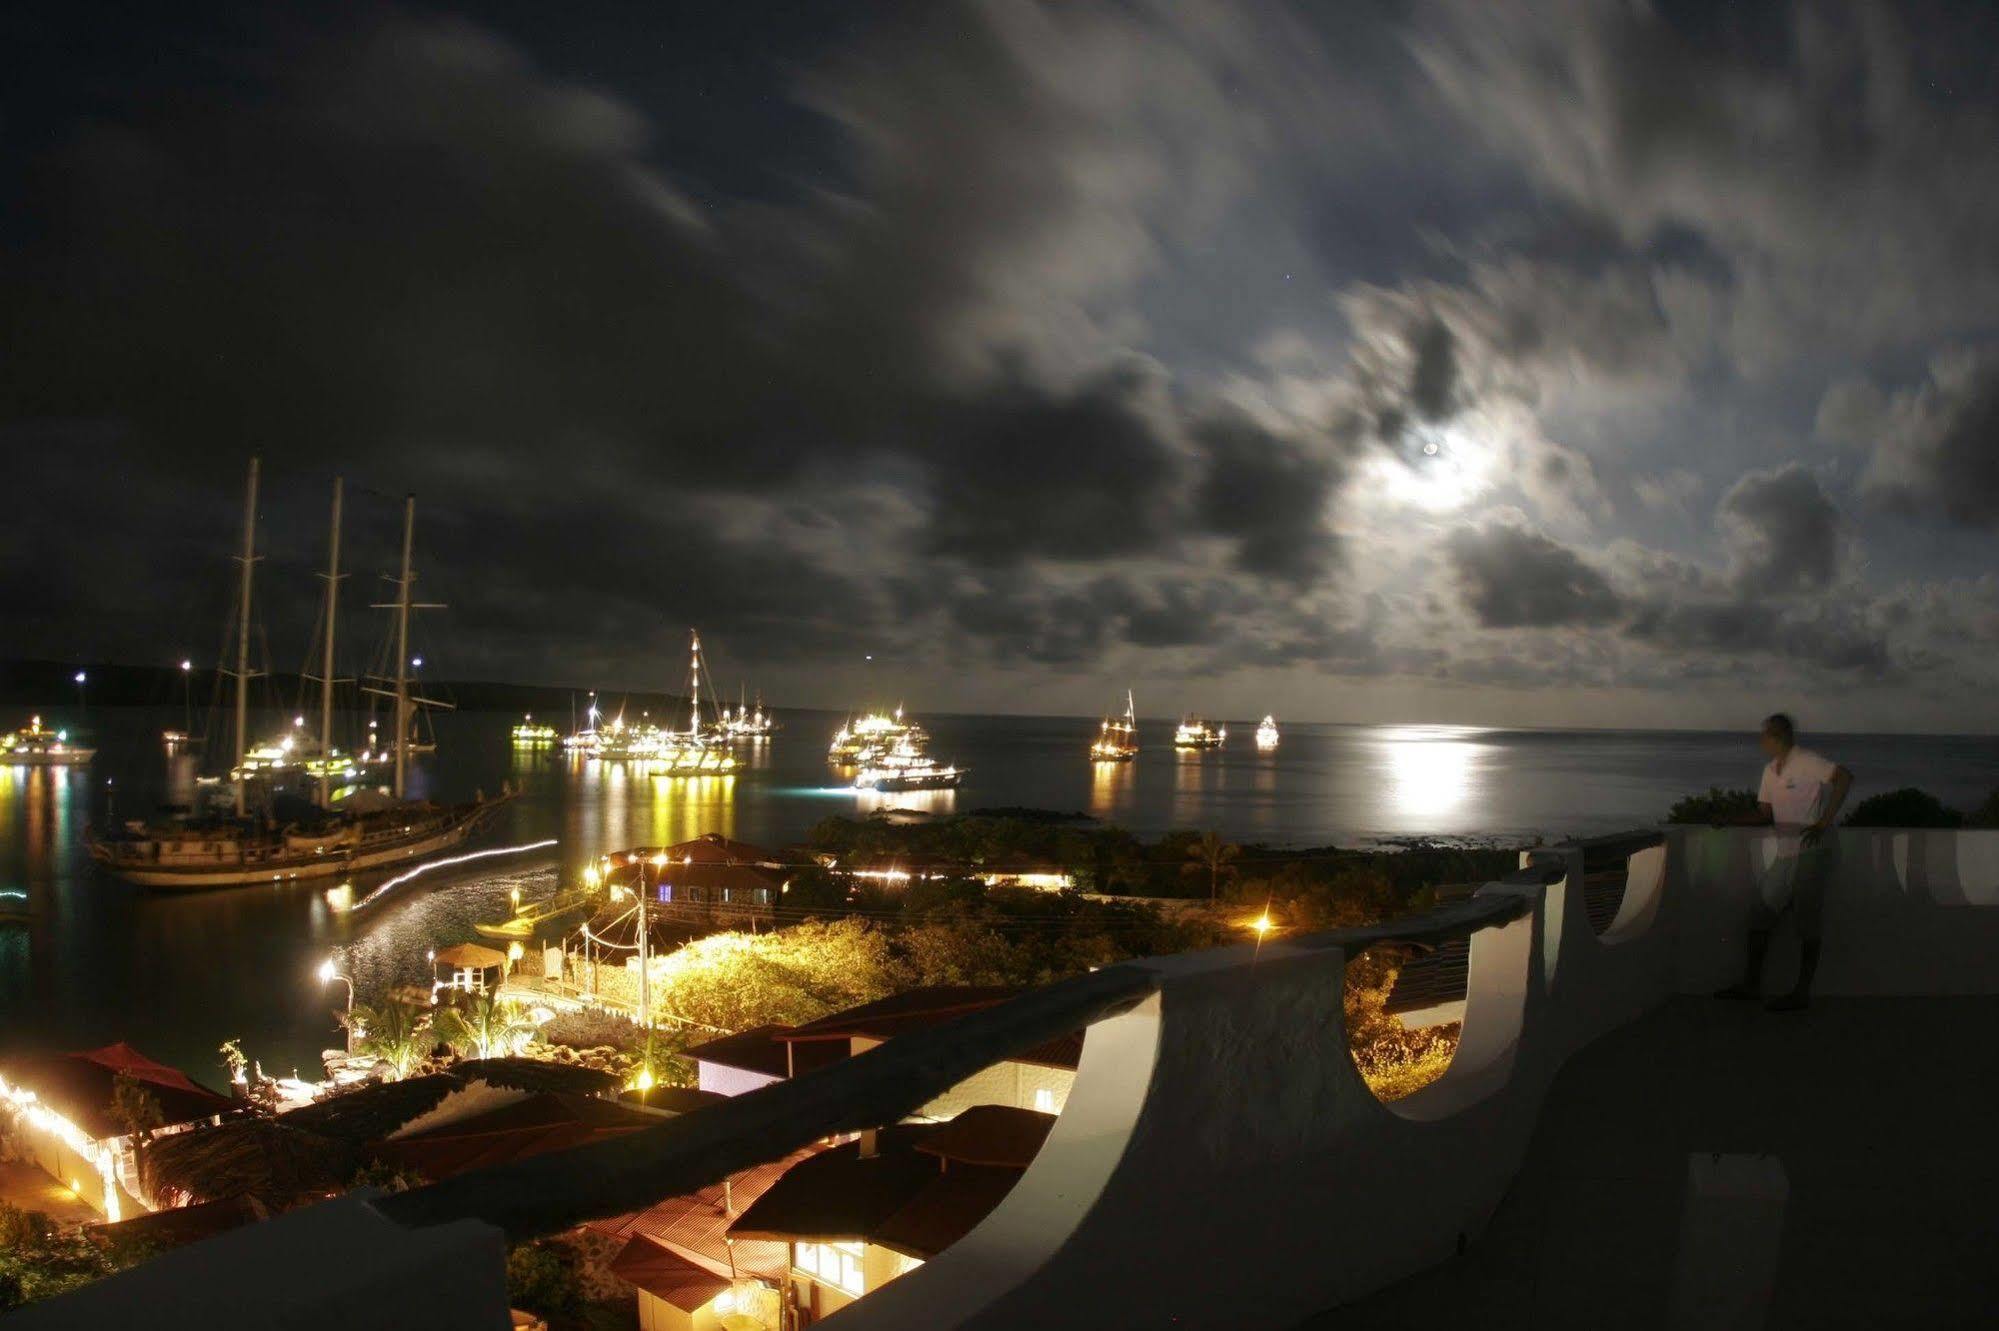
x,y
857,743
694,751
368,830
1266,733
35,745
905,766
1117,738
1194,733
745,723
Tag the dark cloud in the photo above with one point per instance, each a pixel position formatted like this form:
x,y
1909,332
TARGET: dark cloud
x,y
1935,447
1511,577
1781,530
1270,494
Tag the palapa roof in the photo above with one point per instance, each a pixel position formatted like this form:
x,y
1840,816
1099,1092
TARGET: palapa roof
x,y
533,1074
471,956
370,1113
545,1121
177,1225
278,1164
79,1086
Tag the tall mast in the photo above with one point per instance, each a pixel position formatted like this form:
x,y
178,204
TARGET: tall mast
x,y
326,660
403,647
248,559
694,692
1130,708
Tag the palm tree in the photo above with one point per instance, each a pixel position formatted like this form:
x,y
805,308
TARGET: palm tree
x,y
396,1031
482,1026
1215,855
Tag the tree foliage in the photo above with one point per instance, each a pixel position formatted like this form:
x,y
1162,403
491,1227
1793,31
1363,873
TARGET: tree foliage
x,y
40,1258
394,1030
1714,805
1907,807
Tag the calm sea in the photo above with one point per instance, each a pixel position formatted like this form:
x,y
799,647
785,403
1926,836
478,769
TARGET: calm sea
x,y
178,974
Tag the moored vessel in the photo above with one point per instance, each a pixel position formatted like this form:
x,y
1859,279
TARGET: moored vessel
x,y
35,745
1117,737
859,742
1194,733
531,733
1266,733
904,766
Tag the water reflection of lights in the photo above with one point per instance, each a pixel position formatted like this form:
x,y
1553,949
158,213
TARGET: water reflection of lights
x,y
422,869
1110,786
1432,771
919,801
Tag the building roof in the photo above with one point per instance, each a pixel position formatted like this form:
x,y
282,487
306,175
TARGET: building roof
x,y
696,1226
840,1194
542,1122
762,1049
992,1135
671,1099
947,1208
79,1086
663,1273
903,1197
913,1009
176,1225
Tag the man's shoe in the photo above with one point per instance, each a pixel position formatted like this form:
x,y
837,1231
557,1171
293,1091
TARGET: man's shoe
x,y
1740,992
1792,1002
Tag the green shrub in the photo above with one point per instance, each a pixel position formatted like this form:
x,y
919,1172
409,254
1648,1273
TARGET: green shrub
x,y
1907,807
1715,805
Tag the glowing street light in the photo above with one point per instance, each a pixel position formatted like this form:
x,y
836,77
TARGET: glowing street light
x,y
328,972
80,680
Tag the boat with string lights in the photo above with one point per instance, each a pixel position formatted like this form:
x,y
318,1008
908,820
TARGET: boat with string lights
x,y
1194,733
1117,737
35,745
744,722
531,733
1266,733
859,742
905,766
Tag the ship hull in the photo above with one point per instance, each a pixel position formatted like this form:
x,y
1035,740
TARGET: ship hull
x,y
67,758
895,783
246,870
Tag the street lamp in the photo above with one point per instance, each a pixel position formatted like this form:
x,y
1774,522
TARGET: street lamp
x,y
80,680
329,972
187,696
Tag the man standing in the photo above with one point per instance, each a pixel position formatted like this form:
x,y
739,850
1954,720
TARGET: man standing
x,y
1800,796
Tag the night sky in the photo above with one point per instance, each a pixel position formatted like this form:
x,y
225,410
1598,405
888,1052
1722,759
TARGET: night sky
x,y
1583,364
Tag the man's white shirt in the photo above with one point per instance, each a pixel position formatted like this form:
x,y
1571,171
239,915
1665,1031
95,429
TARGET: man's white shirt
x,y
1797,794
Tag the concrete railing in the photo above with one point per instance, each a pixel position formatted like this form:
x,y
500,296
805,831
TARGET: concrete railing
x,y
1220,1162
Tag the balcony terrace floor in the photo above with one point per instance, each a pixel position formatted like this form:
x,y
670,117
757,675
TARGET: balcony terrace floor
x,y
1880,1110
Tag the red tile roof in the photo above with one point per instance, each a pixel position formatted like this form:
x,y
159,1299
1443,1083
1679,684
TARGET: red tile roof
x,y
913,1009
665,1274
696,1226
840,1194
949,1207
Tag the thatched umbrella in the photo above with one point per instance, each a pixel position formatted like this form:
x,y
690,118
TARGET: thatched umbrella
x,y
531,1074
277,1164
369,1113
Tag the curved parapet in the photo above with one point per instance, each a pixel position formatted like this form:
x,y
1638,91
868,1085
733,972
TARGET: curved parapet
x,y
1220,1162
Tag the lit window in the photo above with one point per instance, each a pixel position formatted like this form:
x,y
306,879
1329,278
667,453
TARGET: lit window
x,y
1044,1100
836,1264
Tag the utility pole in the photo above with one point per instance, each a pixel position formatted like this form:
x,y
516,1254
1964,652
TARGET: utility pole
x,y
645,961
403,647
248,559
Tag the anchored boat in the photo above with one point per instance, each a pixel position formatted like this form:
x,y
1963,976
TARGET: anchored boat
x,y
1194,733
860,742
1266,733
35,745
906,767
1117,738
294,838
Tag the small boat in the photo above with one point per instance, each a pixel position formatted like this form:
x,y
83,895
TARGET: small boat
x,y
1266,733
1117,737
1194,733
35,745
906,767
531,732
526,919
860,742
